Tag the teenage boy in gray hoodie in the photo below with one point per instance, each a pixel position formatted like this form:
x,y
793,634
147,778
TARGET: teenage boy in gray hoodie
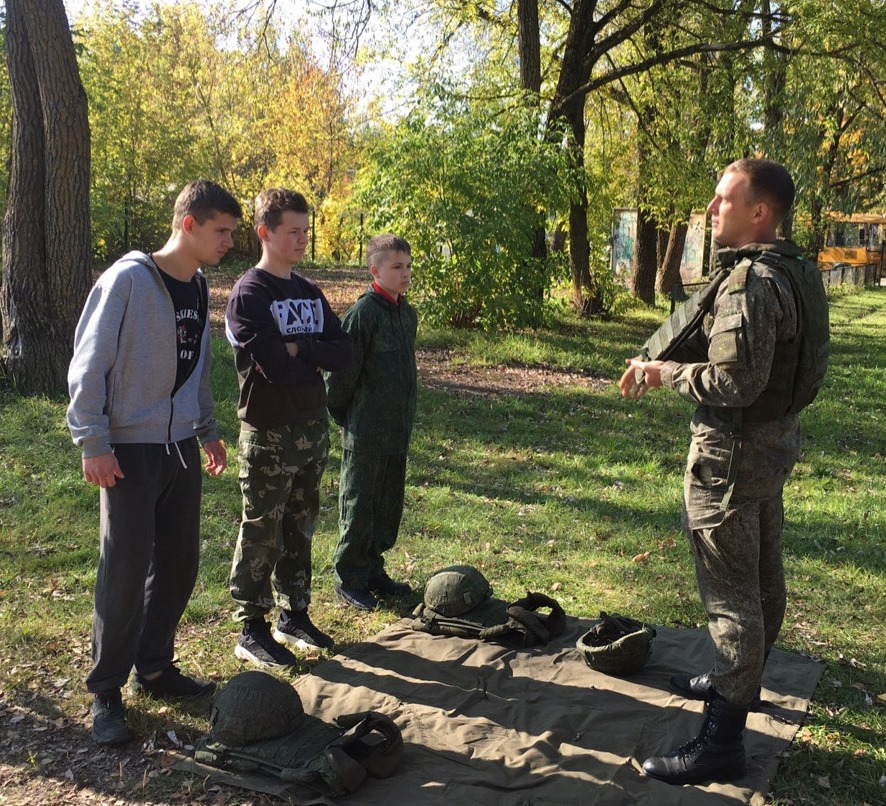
x,y
140,401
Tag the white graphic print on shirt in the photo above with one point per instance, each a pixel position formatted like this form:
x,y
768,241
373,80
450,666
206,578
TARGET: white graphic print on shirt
x,y
298,316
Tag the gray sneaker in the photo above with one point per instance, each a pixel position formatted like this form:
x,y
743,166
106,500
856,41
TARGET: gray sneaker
x,y
359,598
257,646
109,718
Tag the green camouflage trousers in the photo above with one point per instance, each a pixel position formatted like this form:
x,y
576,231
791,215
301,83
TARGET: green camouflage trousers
x,y
740,576
370,506
738,552
280,472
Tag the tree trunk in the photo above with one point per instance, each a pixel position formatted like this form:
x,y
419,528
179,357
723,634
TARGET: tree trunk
x,y
530,46
775,68
645,263
575,70
529,43
662,238
46,242
673,256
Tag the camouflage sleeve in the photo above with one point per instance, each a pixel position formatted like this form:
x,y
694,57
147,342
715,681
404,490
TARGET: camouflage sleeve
x,y
742,332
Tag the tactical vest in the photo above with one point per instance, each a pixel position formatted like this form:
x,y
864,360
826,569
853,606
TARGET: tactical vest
x,y
517,624
326,759
798,367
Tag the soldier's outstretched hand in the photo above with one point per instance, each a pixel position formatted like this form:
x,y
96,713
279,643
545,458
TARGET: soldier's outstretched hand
x,y
639,377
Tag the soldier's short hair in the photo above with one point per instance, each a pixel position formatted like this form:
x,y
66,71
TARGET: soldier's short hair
x,y
203,199
386,242
770,181
271,203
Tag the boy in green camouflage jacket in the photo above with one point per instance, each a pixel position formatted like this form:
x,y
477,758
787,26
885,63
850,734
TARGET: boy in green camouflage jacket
x,y
373,401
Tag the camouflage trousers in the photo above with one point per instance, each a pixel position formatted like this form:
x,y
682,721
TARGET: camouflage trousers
x,y
370,506
280,473
740,574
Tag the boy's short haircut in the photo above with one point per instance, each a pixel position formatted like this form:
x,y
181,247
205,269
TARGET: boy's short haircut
x,y
203,199
271,203
386,242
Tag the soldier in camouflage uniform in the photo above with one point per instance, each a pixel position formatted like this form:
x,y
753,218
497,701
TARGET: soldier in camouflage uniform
x,y
283,333
735,370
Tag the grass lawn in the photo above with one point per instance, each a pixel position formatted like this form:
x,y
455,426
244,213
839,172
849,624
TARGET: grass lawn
x,y
565,489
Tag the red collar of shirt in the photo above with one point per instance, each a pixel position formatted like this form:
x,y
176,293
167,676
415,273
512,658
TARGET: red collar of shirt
x,y
379,290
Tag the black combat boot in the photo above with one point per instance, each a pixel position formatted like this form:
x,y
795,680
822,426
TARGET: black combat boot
x,y
701,688
716,754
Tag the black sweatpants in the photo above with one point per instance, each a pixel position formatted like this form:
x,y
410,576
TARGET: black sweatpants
x,y
150,552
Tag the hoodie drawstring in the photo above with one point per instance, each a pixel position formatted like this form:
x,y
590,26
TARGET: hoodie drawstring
x,y
179,452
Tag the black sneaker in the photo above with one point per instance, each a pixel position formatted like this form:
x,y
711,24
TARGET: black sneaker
x,y
361,598
383,585
171,683
295,627
256,645
109,718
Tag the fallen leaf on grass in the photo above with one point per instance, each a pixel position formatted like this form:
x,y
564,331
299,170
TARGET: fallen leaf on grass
x,y
881,697
823,782
641,558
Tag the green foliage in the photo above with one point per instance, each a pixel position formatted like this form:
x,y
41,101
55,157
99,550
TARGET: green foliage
x,y
467,185
178,92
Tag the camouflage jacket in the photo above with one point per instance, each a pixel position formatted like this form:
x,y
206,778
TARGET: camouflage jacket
x,y
726,365
374,399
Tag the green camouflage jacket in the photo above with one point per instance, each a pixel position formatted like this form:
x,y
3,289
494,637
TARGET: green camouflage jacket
x,y
374,399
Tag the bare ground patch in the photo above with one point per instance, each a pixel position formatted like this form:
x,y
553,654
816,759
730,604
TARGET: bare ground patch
x,y
442,369
445,369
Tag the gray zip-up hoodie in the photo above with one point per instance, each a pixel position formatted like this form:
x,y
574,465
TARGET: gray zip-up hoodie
x,y
123,370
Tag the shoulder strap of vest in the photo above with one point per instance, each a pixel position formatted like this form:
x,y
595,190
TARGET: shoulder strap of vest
x,y
523,611
430,621
683,321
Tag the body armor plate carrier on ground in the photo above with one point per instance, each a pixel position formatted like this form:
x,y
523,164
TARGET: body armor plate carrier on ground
x,y
328,759
458,601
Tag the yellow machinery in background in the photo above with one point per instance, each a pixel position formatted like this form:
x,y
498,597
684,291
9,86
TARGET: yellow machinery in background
x,y
856,239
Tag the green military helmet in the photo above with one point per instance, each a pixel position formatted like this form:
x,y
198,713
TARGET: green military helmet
x,y
455,590
617,645
254,706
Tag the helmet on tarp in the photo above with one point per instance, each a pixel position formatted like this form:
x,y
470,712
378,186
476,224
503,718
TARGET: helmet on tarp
x,y
254,706
617,645
455,590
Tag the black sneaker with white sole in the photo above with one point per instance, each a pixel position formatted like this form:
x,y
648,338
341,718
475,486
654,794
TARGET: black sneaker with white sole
x,y
109,718
257,646
296,628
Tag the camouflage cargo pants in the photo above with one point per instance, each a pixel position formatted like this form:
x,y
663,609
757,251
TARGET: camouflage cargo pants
x,y
280,472
740,574
738,552
370,507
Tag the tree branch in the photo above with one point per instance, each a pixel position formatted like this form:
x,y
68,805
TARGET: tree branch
x,y
655,61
